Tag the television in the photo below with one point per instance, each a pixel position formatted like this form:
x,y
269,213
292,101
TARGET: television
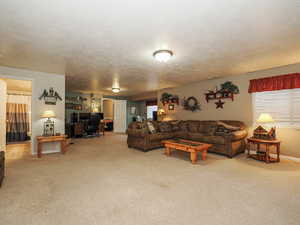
x,y
96,116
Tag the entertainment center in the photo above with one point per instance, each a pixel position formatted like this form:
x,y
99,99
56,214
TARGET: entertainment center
x,y
85,124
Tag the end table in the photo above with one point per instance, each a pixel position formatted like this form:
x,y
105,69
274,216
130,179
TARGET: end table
x,y
261,154
44,139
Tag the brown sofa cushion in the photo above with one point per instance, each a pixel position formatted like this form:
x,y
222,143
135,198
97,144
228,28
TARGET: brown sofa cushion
x,y
193,127
195,136
165,127
160,136
181,134
183,126
207,129
175,125
213,139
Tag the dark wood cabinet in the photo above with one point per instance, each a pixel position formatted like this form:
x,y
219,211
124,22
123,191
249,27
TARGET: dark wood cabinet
x,y
78,129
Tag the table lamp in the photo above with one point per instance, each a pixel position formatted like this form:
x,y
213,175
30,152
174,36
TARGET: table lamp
x,y
48,124
260,132
161,112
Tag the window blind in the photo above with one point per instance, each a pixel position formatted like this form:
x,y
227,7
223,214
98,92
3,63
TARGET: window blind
x,y
282,105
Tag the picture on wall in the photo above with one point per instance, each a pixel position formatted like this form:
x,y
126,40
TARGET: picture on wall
x,y
171,106
50,97
133,110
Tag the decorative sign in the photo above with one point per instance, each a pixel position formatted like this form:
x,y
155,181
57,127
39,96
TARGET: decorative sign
x,y
50,97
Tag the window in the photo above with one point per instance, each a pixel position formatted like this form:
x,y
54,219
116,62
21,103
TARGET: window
x,y
283,106
150,110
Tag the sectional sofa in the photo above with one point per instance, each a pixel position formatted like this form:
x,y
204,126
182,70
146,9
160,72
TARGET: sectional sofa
x,y
226,136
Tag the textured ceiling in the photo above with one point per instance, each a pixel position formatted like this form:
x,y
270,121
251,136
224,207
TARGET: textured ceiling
x,y
98,44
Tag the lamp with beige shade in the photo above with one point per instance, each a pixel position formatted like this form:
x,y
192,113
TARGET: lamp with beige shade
x,y
48,124
260,132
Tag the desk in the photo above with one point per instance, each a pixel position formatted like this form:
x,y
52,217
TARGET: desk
x,y
46,139
264,155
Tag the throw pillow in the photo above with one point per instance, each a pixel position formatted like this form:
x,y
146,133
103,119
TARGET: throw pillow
x,y
151,128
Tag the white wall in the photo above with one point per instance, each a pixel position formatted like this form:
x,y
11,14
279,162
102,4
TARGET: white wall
x,y
41,81
239,109
2,115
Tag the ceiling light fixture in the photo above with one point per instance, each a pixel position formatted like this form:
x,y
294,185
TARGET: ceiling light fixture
x,y
115,90
163,55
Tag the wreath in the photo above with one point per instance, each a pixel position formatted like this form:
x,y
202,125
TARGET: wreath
x,y
191,104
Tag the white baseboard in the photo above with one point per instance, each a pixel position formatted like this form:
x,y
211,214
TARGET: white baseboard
x,y
281,156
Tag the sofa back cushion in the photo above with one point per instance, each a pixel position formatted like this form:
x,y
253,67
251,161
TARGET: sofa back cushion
x,y
165,127
193,126
175,125
207,129
183,126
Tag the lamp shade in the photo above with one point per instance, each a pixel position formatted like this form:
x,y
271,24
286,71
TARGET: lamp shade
x,y
265,118
161,112
48,114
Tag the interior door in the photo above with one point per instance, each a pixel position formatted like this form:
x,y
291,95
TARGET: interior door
x,y
2,115
120,116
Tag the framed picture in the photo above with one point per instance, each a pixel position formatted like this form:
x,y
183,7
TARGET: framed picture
x,y
171,106
133,110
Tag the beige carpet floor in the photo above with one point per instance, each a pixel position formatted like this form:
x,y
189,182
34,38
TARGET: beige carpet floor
x,y
102,182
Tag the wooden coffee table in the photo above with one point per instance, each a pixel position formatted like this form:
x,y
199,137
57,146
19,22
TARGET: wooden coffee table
x,y
193,147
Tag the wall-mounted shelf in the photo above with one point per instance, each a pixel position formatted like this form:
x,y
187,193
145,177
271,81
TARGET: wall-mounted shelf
x,y
219,95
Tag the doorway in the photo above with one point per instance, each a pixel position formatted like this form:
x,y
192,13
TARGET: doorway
x,y
17,117
108,113
115,114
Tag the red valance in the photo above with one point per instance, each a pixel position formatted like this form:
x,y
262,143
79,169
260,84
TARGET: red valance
x,y
288,81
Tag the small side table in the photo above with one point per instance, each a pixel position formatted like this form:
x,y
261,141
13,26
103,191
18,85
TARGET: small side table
x,y
264,155
45,139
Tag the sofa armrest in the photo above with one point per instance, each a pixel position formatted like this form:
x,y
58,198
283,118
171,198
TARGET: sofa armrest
x,y
238,135
137,132
235,135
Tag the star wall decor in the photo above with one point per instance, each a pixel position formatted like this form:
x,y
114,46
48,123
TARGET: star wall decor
x,y
219,104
